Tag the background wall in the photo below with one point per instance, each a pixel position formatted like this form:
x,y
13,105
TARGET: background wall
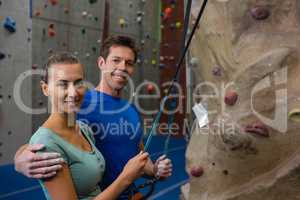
x,y
47,26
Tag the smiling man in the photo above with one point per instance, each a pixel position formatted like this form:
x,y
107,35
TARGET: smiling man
x,y
103,108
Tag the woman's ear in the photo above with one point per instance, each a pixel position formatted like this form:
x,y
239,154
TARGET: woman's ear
x,y
45,88
101,62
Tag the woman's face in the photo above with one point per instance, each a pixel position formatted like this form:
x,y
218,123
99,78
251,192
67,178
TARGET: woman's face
x,y
65,87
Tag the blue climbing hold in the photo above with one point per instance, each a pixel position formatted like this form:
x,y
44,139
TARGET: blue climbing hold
x,y
10,24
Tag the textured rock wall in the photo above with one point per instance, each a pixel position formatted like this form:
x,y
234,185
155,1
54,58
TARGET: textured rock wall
x,y
248,71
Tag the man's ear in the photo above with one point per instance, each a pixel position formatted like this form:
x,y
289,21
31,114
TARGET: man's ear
x,y
101,62
45,88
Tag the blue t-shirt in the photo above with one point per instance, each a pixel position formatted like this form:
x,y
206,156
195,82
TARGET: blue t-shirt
x,y
117,130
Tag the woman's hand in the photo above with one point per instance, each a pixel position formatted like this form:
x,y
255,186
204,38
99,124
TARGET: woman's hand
x,y
134,167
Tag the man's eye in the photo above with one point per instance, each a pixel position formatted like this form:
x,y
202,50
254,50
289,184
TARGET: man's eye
x,y
79,83
130,63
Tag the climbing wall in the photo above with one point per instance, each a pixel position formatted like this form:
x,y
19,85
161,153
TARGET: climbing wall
x,y
15,59
245,142
65,25
140,19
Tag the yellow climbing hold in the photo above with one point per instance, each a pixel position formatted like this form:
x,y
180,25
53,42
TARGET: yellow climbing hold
x,y
294,115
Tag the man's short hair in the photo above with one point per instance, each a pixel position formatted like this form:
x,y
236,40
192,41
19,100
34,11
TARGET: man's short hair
x,y
59,58
118,40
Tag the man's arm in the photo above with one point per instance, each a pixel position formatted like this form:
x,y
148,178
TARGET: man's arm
x,y
33,165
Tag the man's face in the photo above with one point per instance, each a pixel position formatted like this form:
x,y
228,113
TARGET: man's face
x,y
65,87
118,67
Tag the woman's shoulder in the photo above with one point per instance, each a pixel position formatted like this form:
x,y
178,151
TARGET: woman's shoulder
x,y
42,135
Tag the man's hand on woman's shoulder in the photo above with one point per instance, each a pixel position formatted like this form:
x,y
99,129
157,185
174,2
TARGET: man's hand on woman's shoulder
x,y
37,165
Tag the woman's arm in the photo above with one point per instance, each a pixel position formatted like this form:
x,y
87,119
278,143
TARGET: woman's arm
x,y
61,186
132,170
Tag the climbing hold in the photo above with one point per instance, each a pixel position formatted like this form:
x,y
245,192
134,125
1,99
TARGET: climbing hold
x,y
138,61
122,22
154,50
94,49
96,19
130,4
84,13
171,58
143,1
196,171
50,51
139,19
87,55
37,13
142,42
153,62
162,65
167,13
161,58
147,36
51,25
139,13
162,26
194,62
83,31
51,32
53,2
98,41
173,2
172,26
45,5
178,25
150,88
230,98
225,172
257,128
64,44
217,71
2,55
294,115
76,53
260,12
10,24
34,66
66,10
93,1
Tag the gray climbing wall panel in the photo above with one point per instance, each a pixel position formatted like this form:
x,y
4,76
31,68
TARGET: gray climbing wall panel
x,y
15,125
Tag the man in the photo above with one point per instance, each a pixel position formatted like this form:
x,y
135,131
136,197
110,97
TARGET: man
x,y
106,113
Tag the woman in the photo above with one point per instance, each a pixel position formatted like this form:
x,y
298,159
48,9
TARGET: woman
x,y
84,167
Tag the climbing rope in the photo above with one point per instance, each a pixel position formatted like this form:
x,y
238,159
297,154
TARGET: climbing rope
x,y
151,183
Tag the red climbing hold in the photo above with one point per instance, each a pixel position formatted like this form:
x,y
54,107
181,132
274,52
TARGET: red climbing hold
x,y
37,13
51,32
53,2
168,12
150,88
196,171
230,98
257,128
